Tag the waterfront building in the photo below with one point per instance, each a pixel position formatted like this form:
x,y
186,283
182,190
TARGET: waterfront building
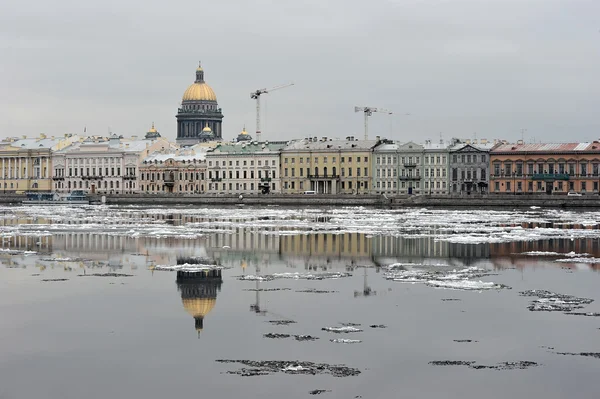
x,y
385,168
180,171
469,166
410,168
27,162
199,118
245,167
435,167
327,166
102,165
545,168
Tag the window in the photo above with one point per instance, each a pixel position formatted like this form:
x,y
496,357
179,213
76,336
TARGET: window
x,y
507,186
530,186
530,169
583,186
454,174
285,160
497,186
583,169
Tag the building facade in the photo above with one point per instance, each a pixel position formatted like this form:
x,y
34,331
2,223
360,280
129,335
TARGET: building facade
x,y
246,167
102,165
435,168
469,166
545,168
182,171
27,163
327,166
385,168
199,118
410,164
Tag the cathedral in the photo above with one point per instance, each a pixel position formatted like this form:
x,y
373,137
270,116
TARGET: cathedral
x,y
199,118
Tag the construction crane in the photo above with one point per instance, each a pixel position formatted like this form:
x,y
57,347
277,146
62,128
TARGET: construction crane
x,y
255,95
368,111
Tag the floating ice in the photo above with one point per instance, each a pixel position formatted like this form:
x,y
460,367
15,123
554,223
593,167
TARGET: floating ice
x,y
579,260
550,253
344,329
187,267
296,276
552,302
345,341
451,279
466,285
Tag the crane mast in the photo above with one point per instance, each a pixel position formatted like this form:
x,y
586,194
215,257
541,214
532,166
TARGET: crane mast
x,y
255,95
368,111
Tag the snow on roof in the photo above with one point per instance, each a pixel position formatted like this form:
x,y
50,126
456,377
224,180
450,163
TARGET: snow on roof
x,y
548,147
305,144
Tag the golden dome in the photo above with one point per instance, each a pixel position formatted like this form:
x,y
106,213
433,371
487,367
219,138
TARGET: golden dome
x,y
198,307
244,131
199,92
207,129
152,129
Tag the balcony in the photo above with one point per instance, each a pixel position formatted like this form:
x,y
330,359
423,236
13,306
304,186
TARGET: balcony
x,y
323,176
409,178
214,179
265,179
55,178
550,177
410,164
129,177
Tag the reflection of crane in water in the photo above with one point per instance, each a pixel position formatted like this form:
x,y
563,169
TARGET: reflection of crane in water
x,y
367,291
256,306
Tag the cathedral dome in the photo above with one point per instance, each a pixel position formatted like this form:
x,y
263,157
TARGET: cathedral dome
x,y
199,90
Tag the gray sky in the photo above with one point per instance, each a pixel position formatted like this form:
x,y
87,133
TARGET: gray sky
x,y
459,67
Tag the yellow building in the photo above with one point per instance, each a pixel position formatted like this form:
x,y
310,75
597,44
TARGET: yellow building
x,y
27,163
327,166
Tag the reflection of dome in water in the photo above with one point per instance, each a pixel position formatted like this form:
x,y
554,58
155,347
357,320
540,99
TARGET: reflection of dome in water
x,y
199,296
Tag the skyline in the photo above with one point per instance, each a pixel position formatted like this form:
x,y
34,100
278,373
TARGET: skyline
x,y
460,68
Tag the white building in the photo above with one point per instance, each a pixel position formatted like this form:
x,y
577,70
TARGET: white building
x,y
176,171
245,167
102,165
435,168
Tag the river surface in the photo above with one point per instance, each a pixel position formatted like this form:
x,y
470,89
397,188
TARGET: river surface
x,y
343,302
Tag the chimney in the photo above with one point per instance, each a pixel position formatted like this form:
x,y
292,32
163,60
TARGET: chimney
x,y
520,142
468,141
483,141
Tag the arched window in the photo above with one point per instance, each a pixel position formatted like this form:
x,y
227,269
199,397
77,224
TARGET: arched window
x,y
334,170
316,171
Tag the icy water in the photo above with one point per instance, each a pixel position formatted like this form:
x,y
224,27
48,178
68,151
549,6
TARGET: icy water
x,y
339,303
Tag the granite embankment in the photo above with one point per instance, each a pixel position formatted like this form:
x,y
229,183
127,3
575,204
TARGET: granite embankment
x,y
556,201
477,201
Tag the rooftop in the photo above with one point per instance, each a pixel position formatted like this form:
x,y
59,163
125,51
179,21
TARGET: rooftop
x,y
548,147
247,147
325,143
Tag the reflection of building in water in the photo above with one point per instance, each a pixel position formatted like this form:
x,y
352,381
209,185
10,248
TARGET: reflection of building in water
x,y
419,249
589,245
199,296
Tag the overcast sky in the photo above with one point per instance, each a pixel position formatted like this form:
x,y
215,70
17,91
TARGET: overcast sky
x,y
453,68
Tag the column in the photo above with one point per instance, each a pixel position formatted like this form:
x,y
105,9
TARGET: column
x,y
19,169
47,167
3,170
26,167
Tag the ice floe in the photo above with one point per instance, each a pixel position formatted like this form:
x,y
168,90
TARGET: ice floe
x,y
344,329
553,302
462,279
295,276
187,267
345,341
